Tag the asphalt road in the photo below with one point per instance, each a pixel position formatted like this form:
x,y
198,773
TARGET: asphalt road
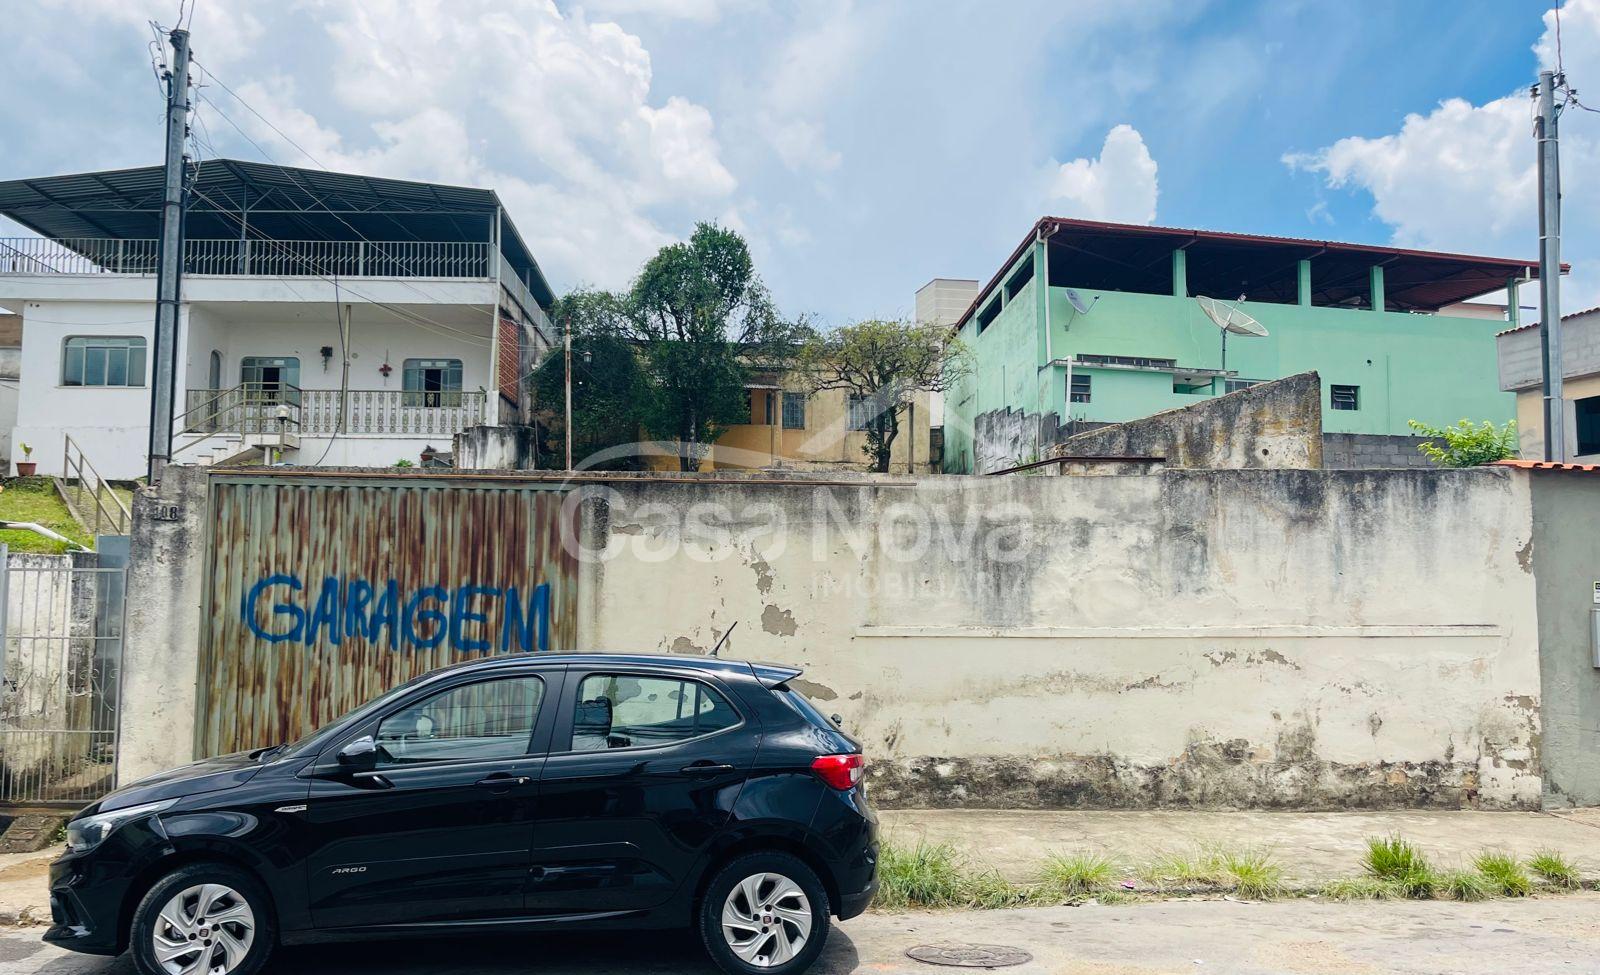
x,y
1537,936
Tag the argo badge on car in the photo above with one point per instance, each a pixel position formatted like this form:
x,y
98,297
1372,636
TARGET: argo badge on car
x,y
523,791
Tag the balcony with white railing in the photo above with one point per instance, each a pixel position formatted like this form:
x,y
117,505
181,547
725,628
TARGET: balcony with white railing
x,y
469,260
284,410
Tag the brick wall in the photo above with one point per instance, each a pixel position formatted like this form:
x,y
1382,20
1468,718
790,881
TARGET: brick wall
x,y
1370,451
510,361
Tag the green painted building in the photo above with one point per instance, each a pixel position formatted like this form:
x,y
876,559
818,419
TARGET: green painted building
x,y
1392,332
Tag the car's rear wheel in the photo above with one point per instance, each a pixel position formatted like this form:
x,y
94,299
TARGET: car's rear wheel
x,y
764,914
203,919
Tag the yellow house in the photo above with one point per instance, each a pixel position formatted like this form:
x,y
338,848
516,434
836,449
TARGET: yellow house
x,y
1522,372
791,429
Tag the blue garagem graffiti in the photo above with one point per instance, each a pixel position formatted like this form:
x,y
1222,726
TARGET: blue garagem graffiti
x,y
472,618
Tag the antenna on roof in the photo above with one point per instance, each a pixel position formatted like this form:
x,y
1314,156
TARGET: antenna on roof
x,y
724,638
1229,319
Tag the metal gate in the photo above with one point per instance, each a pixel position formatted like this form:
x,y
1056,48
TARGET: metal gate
x,y
326,590
61,626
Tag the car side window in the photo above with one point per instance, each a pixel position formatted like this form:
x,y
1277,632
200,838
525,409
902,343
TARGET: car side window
x,y
630,711
489,719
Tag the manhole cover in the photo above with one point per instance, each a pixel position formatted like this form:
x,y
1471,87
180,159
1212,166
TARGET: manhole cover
x,y
959,955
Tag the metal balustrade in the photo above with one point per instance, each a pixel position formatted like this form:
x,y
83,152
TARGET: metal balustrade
x,y
258,258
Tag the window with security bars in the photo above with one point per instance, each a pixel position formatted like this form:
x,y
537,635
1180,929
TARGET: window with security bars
x,y
432,382
1345,397
862,410
1080,387
794,411
103,360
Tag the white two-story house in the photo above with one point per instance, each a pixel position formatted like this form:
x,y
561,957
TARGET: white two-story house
x,y
326,319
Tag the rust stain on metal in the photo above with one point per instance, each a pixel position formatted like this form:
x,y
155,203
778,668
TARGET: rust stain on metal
x,y
325,594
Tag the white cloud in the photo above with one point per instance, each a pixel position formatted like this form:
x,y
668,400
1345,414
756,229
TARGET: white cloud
x,y
1119,186
697,11
553,111
1463,176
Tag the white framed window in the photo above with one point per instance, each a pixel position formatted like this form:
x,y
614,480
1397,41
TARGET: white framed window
x,y
1081,388
1344,397
103,360
861,409
432,382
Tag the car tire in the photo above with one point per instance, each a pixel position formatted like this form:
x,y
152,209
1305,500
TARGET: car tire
x,y
171,915
755,900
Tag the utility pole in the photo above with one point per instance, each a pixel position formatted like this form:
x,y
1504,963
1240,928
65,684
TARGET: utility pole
x,y
1545,131
169,266
568,342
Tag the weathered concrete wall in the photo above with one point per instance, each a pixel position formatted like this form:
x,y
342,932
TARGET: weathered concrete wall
x,y
1566,561
511,447
166,586
1370,451
1009,438
1273,425
1192,638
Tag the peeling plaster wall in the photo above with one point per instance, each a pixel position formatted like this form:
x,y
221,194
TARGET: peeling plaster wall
x,y
1273,424
1260,638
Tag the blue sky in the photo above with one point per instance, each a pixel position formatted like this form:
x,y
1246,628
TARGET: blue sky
x,y
863,147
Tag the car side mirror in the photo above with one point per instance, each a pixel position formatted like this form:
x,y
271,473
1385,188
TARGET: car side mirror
x,y
360,755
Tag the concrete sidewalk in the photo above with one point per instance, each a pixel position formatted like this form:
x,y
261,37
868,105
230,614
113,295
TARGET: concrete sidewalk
x,y
1311,847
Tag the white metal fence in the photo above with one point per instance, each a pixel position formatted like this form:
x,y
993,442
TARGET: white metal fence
x,y
266,258
61,632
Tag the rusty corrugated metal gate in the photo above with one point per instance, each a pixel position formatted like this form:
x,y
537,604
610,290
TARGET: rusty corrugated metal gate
x,y
325,592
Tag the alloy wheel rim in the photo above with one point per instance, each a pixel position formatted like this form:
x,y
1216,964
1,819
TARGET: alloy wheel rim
x,y
204,930
766,919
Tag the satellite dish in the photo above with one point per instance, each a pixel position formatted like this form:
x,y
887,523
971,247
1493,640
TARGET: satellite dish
x,y
1078,304
1229,319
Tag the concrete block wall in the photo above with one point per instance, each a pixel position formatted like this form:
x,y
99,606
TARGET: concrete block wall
x,y
1370,451
1521,357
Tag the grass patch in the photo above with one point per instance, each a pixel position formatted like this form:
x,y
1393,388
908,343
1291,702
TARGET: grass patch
x,y
35,499
1465,885
1556,869
1255,874
1400,863
1359,889
1504,873
924,875
1200,869
1078,874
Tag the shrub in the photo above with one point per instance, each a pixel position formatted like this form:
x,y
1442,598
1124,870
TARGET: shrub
x,y
1465,445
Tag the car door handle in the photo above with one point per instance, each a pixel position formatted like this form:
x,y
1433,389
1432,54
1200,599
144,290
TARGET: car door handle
x,y
502,780
707,769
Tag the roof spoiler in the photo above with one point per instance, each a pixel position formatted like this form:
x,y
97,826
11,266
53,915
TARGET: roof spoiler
x,y
771,675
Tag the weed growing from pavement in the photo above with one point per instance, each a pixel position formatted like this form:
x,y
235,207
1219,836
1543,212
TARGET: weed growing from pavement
x,y
1255,874
1078,874
1504,873
1402,864
924,875
1465,885
1555,869
1358,889
1202,869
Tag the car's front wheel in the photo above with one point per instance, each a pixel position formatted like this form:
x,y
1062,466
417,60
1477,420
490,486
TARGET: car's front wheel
x,y
203,919
764,914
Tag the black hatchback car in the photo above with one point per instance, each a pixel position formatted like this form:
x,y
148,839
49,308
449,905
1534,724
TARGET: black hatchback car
x,y
520,792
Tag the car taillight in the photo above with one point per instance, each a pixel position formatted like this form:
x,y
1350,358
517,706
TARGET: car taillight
x,y
840,771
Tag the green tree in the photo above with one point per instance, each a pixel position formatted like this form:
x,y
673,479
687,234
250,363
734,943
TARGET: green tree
x,y
609,386
701,316
884,363
1466,444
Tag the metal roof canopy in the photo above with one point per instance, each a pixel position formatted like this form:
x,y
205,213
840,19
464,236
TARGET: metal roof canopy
x,y
1131,257
277,202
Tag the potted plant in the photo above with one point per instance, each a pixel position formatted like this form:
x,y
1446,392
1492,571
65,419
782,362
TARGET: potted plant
x,y
26,467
